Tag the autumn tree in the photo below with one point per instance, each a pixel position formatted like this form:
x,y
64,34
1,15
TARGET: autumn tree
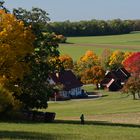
x,y
132,86
16,42
132,63
93,75
87,61
89,69
8,103
116,59
105,59
66,61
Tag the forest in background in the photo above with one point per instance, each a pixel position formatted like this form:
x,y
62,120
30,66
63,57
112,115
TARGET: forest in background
x,y
94,27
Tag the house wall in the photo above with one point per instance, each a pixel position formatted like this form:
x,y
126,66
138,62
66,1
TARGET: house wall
x,y
76,91
73,92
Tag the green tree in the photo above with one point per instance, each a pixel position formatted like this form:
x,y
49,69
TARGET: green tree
x,y
35,88
2,7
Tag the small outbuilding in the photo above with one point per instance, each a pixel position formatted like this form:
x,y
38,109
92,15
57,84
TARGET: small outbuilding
x,y
114,80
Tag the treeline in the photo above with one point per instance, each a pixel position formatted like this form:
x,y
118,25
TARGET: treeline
x,y
94,27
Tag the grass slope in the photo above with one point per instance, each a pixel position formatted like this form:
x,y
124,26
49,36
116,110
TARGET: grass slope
x,y
103,108
42,131
99,114
77,46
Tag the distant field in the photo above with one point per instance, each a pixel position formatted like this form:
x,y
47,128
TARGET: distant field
x,y
77,46
115,116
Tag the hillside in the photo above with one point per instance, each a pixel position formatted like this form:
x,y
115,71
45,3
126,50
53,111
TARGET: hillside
x,y
77,46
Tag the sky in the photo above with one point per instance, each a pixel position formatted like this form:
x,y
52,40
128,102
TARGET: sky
x,y
76,10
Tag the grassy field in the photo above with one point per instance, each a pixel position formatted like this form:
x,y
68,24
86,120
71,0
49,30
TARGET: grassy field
x,y
77,46
114,116
40,131
112,107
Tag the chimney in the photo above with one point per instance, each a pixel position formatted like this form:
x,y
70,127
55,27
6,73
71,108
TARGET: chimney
x,y
57,75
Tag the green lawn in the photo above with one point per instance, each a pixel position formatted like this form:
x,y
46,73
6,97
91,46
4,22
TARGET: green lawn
x,y
115,116
111,103
40,131
77,46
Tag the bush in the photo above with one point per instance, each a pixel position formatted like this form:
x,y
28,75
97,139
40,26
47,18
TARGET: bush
x,y
61,38
7,101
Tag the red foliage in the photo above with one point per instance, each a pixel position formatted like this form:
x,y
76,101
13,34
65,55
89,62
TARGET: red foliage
x,y
132,63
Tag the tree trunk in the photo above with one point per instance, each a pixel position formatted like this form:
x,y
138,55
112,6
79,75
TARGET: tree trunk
x,y
97,86
139,95
134,96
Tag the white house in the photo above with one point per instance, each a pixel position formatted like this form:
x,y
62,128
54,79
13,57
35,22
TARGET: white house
x,y
71,85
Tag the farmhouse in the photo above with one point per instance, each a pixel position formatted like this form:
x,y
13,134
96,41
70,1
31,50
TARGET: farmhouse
x,y
71,86
114,80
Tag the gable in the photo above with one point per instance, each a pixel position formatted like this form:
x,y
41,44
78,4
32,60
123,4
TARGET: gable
x,y
67,79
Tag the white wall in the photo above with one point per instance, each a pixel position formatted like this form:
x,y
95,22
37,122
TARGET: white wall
x,y
72,92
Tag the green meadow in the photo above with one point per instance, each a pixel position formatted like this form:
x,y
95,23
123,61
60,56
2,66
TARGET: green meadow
x,y
77,46
59,131
114,116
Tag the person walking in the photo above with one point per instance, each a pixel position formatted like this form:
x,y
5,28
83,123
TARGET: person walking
x,y
82,119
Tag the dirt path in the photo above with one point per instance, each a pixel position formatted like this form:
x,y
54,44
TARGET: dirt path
x,y
131,47
124,118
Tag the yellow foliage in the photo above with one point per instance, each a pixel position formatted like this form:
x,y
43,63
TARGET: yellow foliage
x,y
116,59
16,42
89,55
93,75
7,101
67,61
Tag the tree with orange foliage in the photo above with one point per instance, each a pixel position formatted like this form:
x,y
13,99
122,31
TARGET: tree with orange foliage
x,y
93,75
87,61
66,61
132,86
